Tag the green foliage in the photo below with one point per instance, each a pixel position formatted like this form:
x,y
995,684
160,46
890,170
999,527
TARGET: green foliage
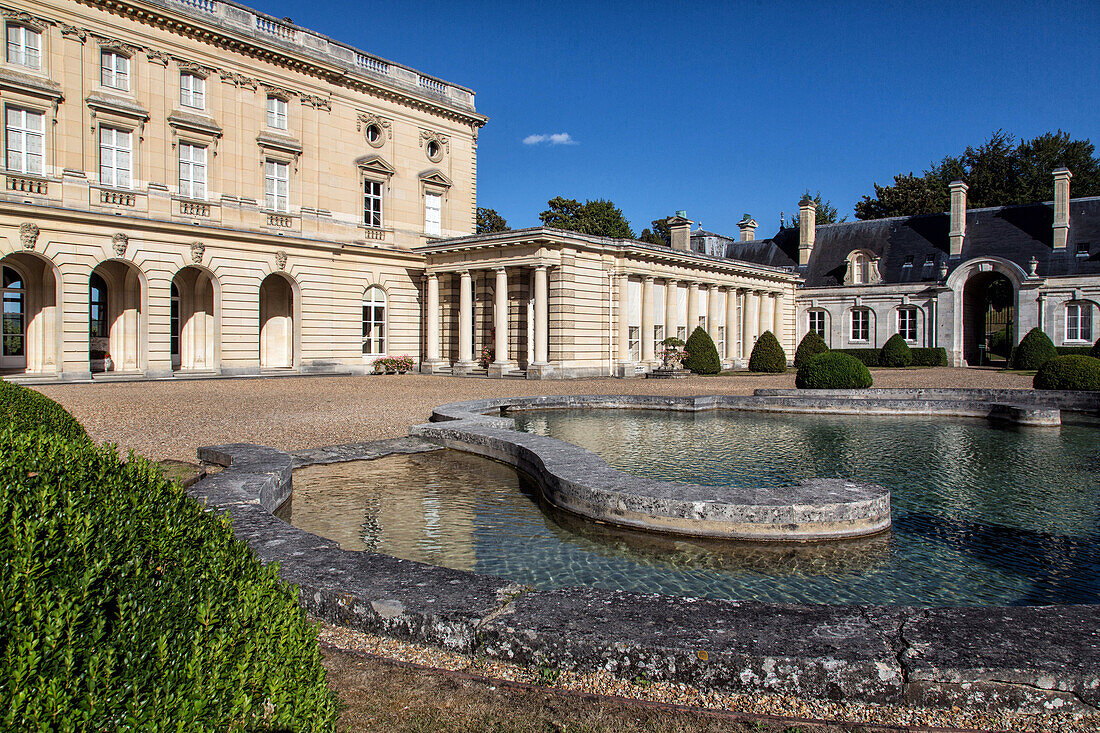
x,y
24,410
1095,353
833,370
1075,350
896,353
592,217
127,606
811,345
1035,349
826,212
1069,372
998,173
867,357
702,354
489,221
660,235
929,357
767,355
1000,343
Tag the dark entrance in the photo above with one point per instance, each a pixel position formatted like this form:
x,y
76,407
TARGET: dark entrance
x,y
989,319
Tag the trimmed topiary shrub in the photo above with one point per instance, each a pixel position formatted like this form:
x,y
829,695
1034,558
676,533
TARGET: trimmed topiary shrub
x,y
895,353
929,357
128,606
25,410
702,354
768,355
1069,372
833,370
1034,350
1095,352
810,346
1074,350
868,357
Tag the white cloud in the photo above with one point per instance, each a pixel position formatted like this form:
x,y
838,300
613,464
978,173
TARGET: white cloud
x,y
556,138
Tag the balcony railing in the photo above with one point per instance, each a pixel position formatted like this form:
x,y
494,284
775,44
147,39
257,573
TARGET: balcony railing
x,y
372,233
26,184
194,208
117,198
280,220
271,28
371,64
433,85
206,6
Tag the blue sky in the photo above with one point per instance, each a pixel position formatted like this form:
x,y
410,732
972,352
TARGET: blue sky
x,y
728,108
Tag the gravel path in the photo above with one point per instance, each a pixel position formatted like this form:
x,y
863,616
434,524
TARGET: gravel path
x,y
170,419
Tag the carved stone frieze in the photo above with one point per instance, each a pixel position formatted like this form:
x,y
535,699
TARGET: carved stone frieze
x,y
24,18
239,80
317,102
119,242
157,57
28,234
71,31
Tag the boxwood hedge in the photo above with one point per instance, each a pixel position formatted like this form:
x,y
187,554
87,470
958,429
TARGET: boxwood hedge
x,y
833,370
896,353
810,346
1034,350
24,410
702,354
768,355
1069,372
925,357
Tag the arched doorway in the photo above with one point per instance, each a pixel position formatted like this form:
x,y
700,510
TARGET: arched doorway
x,y
28,292
194,320
276,322
989,318
116,318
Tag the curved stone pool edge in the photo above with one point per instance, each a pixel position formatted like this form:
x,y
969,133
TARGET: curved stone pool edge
x,y
1026,659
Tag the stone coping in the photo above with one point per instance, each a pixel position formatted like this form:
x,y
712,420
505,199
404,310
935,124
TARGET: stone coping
x,y
1027,659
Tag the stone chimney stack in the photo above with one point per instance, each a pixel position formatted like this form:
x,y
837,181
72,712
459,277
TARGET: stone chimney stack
x,y
807,229
1061,207
679,228
958,216
748,228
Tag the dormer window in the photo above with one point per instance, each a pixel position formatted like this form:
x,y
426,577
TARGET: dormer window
x,y
276,113
929,260
24,46
859,269
908,261
192,91
1082,249
114,70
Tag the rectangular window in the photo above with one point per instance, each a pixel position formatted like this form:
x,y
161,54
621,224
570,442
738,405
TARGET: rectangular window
x,y
817,322
25,140
276,185
192,91
907,324
681,333
634,343
372,204
115,157
24,47
192,171
1079,322
1082,249
276,113
433,214
861,325
658,337
114,70
908,261
721,342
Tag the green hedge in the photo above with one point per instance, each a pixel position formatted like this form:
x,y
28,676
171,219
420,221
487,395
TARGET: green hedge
x,y
125,605
1034,350
925,357
810,346
1095,352
868,357
1069,372
24,410
702,354
896,353
833,370
1074,350
768,355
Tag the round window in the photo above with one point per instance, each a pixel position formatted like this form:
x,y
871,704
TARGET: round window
x,y
435,151
374,135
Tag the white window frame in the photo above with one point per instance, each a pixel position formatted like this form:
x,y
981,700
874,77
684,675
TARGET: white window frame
x,y
276,112
634,342
908,313
433,225
276,185
192,178
658,337
859,269
818,315
373,203
374,328
1079,322
116,157
865,326
192,90
114,69
20,138
721,343
24,46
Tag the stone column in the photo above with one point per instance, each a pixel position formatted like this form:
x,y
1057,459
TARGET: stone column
x,y
693,307
465,324
672,289
624,316
647,320
731,325
431,323
542,313
750,316
767,313
778,317
501,362
713,317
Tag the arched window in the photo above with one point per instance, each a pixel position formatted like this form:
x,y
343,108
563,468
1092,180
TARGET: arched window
x,y
861,325
859,269
1079,321
907,323
15,312
374,321
816,322
97,307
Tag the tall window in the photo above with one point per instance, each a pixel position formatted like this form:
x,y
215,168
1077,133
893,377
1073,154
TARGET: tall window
x,y
433,213
97,307
114,70
24,46
372,204
277,185
721,342
174,325
192,171
817,322
115,157
634,343
861,325
25,140
658,337
1079,322
907,324
276,113
15,299
374,322
192,91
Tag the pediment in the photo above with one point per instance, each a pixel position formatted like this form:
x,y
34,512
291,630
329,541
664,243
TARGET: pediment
x,y
375,164
436,177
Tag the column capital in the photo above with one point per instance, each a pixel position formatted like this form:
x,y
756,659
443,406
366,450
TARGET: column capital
x,y
670,281
498,268
542,267
649,278
712,286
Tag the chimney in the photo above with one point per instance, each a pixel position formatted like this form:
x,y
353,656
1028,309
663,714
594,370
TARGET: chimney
x,y
807,229
679,228
958,216
1061,207
748,228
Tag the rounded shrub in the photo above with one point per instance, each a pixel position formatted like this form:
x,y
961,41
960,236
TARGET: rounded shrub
x,y
702,354
833,370
1034,350
896,353
24,410
768,355
1095,352
128,606
810,346
1069,372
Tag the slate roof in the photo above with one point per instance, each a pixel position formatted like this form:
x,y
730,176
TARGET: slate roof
x,y
1016,233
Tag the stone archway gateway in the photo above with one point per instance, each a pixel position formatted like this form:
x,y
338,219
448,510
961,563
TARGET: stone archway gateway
x,y
989,318
116,313
276,322
195,320
29,292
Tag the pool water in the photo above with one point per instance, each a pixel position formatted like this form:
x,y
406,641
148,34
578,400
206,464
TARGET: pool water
x,y
983,514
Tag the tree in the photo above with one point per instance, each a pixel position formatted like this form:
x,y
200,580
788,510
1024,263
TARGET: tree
x,y
826,213
597,217
999,172
660,234
489,221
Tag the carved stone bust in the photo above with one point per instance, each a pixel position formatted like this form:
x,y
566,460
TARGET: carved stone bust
x,y
120,242
198,249
28,234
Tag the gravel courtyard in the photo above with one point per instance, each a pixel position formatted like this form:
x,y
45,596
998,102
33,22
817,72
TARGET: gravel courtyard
x,y
170,419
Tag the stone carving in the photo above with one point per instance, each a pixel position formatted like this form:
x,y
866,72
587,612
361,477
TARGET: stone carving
x,y
239,80
198,249
317,102
943,271
426,135
119,242
157,57
873,275
28,234
1033,267
366,119
280,259
73,31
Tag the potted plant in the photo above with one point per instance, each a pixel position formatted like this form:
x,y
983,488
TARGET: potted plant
x,y
672,354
